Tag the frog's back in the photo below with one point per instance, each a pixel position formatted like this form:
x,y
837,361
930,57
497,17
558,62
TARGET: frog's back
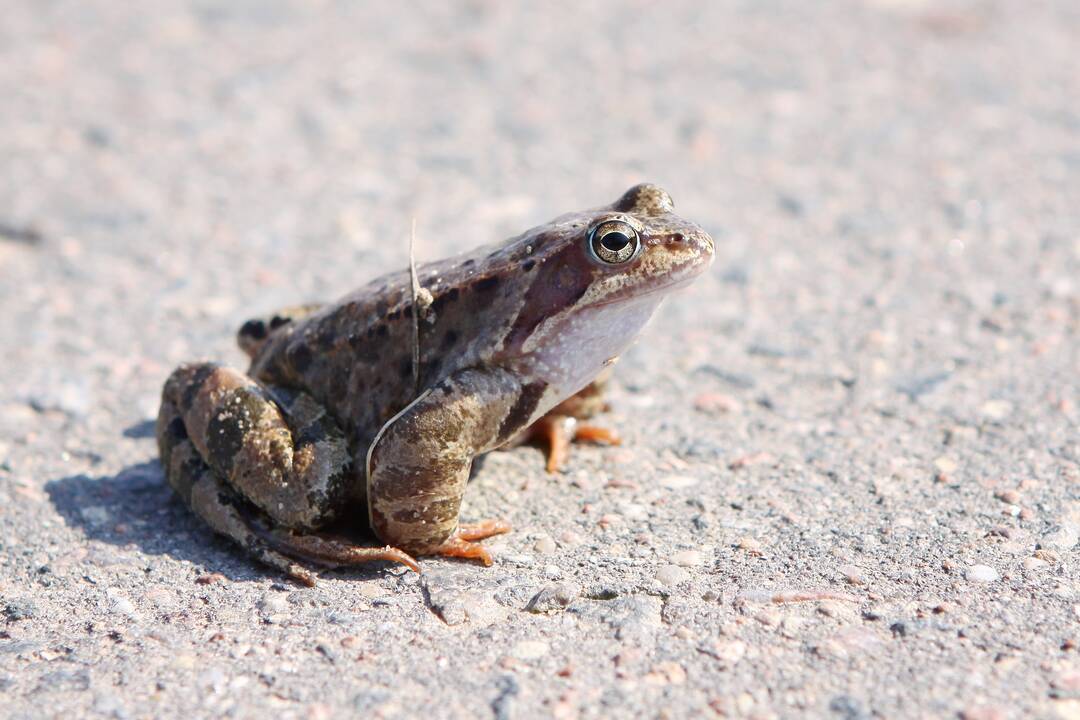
x,y
356,355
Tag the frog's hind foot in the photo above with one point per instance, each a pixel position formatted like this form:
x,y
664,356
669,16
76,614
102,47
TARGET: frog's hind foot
x,y
462,543
333,552
557,432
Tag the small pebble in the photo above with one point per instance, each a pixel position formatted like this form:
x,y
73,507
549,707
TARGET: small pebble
x,y
983,712
945,465
854,575
120,603
750,545
210,579
530,649
678,482
758,458
981,574
1011,497
553,598
545,545
608,520
672,575
997,409
570,538
872,613
273,604
688,558
185,661
666,673
94,515
716,404
1034,564
728,652
791,625
1062,538
831,608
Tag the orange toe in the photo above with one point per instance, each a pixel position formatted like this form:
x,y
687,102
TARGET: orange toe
x,y
461,544
595,434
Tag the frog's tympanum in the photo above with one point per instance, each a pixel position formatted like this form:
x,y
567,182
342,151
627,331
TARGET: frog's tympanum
x,y
357,412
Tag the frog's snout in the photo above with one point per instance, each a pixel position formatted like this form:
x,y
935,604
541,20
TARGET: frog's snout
x,y
695,241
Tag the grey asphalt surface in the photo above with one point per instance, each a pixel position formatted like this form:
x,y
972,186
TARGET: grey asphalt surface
x,y
851,486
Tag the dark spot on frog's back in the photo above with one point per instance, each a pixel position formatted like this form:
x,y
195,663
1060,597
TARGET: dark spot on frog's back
x,y
449,339
444,299
254,329
300,356
486,284
528,265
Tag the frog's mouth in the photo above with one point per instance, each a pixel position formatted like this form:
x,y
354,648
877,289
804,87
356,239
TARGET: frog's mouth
x,y
631,296
660,271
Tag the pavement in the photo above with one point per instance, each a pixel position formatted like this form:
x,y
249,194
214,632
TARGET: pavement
x,y
851,482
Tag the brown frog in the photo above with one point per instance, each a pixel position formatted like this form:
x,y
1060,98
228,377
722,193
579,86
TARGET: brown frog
x,y
383,399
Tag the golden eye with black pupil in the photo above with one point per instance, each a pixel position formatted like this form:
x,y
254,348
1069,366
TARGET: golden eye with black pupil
x,y
614,242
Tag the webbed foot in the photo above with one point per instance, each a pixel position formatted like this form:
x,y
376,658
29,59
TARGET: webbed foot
x,y
334,552
462,544
559,431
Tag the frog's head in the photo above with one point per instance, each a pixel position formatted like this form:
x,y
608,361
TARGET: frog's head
x,y
600,274
638,246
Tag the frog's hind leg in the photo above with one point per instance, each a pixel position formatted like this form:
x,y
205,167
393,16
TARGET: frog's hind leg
x,y
264,467
279,450
209,498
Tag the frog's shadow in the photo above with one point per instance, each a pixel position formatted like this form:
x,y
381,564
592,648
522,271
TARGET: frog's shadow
x,y
135,508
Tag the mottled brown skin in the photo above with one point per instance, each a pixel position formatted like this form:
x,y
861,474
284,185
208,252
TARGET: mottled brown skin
x,y
333,415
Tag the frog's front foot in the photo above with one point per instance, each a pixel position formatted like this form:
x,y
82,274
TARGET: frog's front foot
x,y
462,544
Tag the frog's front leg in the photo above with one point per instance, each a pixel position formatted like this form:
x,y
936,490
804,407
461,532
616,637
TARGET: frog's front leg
x,y
563,424
418,465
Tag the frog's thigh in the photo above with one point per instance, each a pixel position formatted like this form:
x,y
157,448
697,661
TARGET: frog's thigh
x,y
288,461
208,497
418,465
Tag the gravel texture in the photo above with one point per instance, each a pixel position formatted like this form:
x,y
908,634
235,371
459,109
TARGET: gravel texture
x,y
851,486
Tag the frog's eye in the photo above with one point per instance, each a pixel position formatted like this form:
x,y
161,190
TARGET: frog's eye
x,y
614,242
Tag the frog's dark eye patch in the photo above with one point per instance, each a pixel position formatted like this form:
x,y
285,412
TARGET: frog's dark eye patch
x,y
614,242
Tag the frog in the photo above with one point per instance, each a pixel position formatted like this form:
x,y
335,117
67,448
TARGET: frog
x,y
368,413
